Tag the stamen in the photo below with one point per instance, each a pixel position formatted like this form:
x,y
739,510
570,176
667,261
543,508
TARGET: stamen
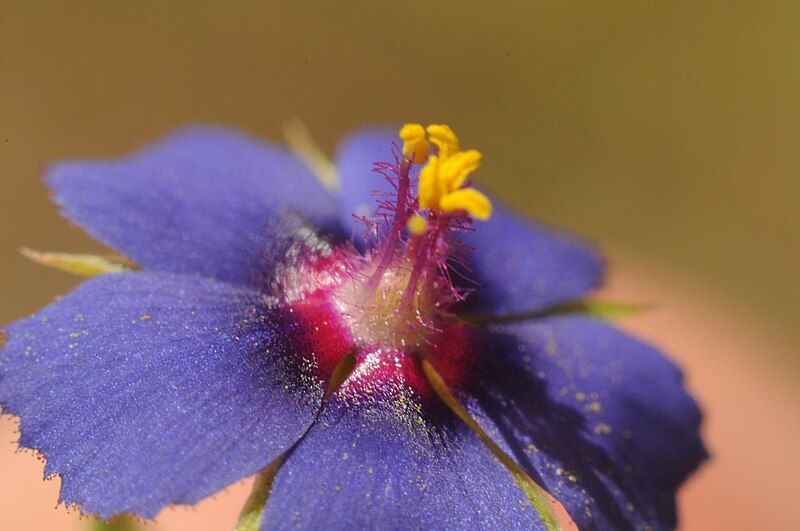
x,y
429,192
443,138
457,168
441,180
415,146
469,200
420,264
393,239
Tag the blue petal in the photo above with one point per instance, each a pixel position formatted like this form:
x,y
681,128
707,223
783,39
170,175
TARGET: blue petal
x,y
355,160
520,265
599,419
146,389
203,200
386,454
525,266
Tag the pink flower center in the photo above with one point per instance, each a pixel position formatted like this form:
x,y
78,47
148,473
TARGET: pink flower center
x,y
397,297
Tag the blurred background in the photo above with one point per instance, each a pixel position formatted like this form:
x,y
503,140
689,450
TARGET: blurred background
x,y
668,131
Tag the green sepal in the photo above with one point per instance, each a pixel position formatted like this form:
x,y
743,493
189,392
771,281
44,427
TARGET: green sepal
x,y
541,501
120,522
253,510
594,308
85,265
603,309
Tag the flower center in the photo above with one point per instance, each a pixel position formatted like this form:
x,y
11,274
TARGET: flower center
x,y
386,315
400,292
397,297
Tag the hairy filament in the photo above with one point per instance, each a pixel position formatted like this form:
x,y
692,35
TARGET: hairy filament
x,y
396,230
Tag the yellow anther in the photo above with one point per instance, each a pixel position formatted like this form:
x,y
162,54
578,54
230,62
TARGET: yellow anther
x,y
455,170
469,199
442,178
443,138
429,184
417,225
415,145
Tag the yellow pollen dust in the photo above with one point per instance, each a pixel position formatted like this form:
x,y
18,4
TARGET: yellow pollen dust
x,y
417,225
442,178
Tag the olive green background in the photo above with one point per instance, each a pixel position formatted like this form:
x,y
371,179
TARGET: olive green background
x,y
669,128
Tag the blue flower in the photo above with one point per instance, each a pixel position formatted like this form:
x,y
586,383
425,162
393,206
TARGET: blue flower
x,y
406,369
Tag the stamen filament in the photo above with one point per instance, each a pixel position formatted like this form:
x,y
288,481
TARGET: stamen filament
x,y
427,242
396,230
